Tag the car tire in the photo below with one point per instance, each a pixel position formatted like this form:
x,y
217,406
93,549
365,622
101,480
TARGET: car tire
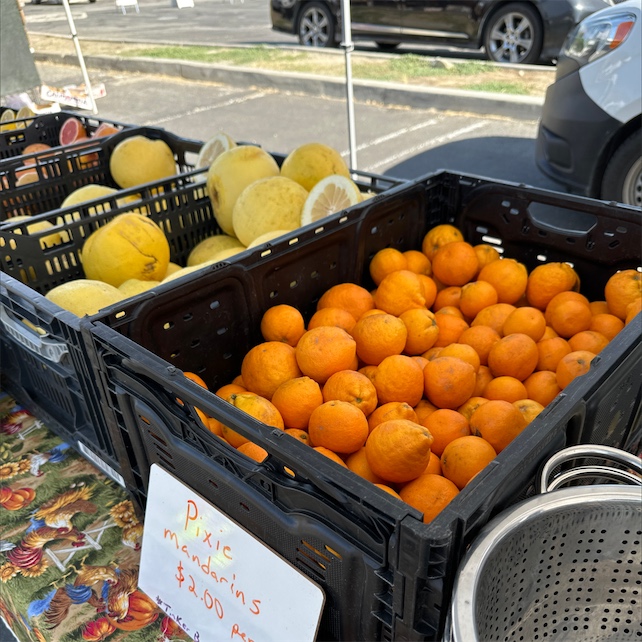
x,y
514,34
316,25
622,180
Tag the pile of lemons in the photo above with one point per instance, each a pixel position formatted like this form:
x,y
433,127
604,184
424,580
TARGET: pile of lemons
x,y
254,200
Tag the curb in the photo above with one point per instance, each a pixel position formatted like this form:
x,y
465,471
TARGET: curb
x,y
487,103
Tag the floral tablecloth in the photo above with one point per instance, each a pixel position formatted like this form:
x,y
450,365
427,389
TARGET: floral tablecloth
x,y
69,544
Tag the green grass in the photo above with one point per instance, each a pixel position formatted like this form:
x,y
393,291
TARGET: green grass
x,y
401,68
498,87
235,56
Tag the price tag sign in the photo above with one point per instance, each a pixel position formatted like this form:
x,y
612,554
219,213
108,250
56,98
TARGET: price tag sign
x,y
216,580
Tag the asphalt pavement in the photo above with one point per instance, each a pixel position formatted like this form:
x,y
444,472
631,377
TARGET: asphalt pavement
x,y
390,139
401,132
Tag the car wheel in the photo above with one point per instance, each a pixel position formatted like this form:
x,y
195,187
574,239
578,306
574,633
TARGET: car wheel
x,y
387,46
316,26
622,180
514,34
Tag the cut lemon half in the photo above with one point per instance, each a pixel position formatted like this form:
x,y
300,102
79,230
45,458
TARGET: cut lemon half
x,y
330,195
213,148
24,112
7,118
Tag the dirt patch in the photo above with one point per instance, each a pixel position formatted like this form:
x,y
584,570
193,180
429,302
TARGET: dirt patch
x,y
440,73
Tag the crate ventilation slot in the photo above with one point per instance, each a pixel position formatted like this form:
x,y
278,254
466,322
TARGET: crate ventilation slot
x,y
162,453
158,439
313,560
167,462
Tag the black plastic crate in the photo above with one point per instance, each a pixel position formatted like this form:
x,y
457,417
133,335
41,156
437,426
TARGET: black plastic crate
x,y
65,391
62,170
386,575
45,128
49,372
179,204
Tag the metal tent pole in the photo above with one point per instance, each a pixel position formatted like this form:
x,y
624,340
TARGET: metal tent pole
x,y
81,60
348,47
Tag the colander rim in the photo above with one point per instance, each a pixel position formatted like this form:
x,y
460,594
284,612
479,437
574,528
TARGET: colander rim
x,y
462,625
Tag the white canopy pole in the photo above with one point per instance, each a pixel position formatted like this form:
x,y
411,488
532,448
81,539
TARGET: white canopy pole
x,y
81,60
348,47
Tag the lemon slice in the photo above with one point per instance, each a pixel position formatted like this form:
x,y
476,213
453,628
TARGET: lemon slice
x,y
331,194
6,120
213,148
24,112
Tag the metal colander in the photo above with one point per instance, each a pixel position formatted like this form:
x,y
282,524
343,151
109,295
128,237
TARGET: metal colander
x,y
565,565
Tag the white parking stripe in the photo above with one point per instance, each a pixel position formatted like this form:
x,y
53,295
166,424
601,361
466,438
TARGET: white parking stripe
x,y
198,110
433,142
395,134
54,17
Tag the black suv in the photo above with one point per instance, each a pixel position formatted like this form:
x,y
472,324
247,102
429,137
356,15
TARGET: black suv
x,y
515,32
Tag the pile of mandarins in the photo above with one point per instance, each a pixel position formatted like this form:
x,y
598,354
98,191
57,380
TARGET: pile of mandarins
x,y
418,385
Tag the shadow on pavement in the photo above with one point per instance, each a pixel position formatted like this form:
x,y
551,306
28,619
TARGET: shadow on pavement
x,y
489,154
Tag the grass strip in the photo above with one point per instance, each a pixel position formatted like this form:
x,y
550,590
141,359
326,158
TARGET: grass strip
x,y
403,68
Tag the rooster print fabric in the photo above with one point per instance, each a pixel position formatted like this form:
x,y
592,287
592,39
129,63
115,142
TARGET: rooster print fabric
x,y
69,544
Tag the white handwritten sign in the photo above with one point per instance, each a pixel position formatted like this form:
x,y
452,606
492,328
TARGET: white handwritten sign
x,y
216,580
73,96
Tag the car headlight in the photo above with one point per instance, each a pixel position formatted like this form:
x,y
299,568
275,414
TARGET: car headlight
x,y
597,35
